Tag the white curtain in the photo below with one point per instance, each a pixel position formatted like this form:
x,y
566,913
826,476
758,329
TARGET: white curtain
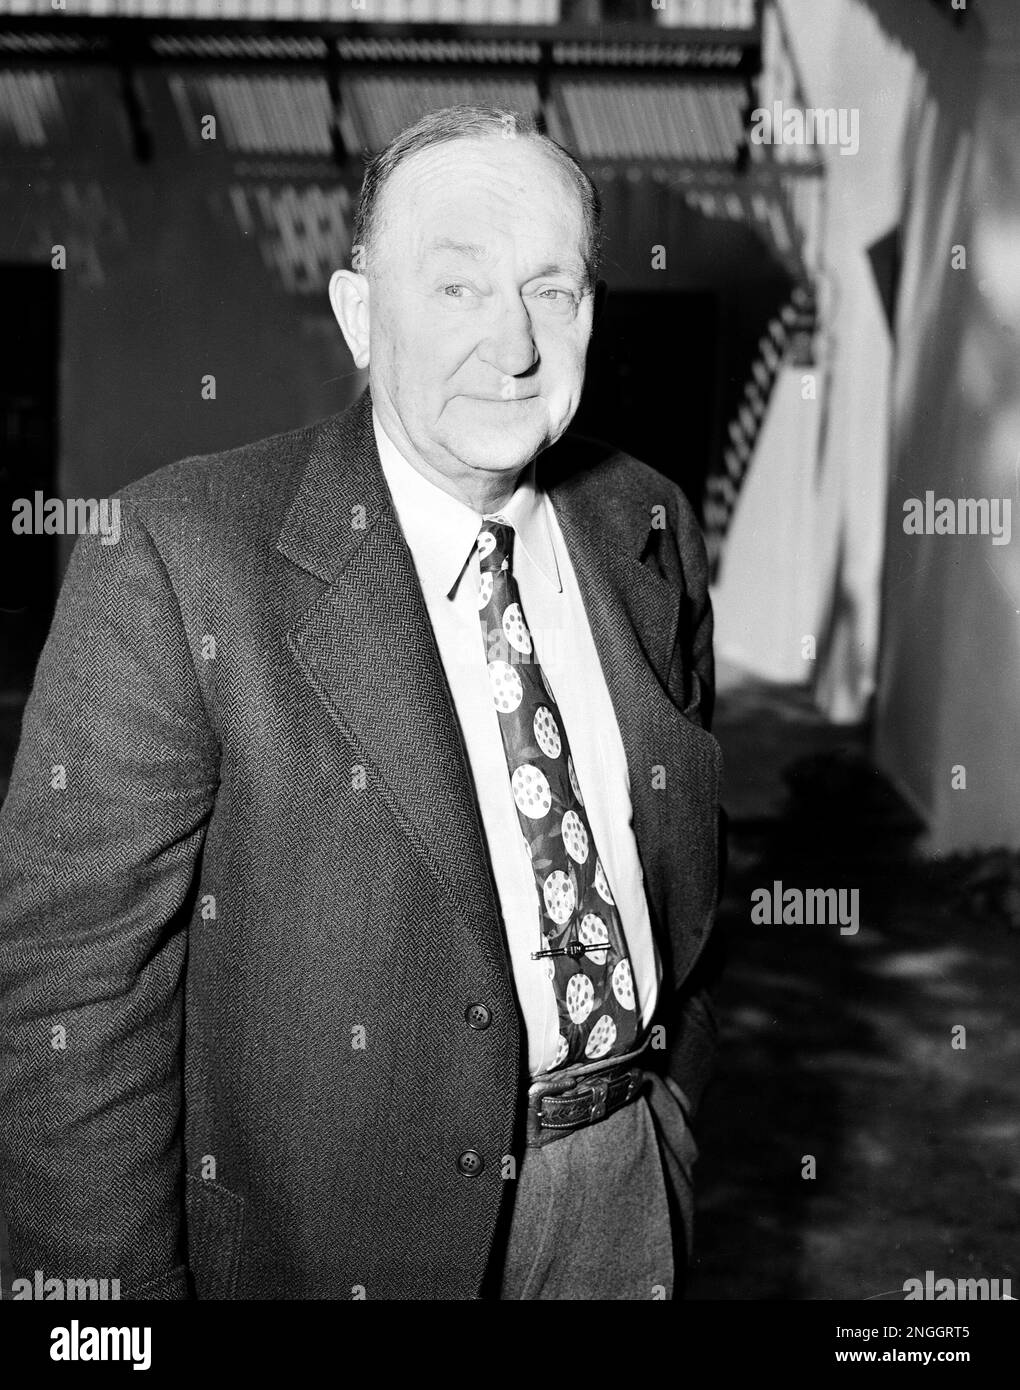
x,y
798,597
947,715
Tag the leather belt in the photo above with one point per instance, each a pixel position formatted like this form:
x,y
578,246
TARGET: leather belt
x,y
560,1102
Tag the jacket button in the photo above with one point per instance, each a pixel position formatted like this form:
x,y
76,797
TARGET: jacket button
x,y
470,1163
478,1016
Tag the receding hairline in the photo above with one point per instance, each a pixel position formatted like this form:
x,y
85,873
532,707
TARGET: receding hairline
x,y
548,150
481,126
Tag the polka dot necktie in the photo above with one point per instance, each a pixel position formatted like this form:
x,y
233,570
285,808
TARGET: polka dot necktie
x,y
583,947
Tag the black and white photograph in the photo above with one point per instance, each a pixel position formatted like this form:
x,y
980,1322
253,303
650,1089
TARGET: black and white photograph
x,y
510,687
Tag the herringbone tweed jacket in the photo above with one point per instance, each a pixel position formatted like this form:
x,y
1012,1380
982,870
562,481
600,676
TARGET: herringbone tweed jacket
x,y
245,899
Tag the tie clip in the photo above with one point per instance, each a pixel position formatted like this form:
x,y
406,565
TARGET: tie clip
x,y
576,948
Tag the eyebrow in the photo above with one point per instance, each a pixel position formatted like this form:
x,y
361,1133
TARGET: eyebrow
x,y
558,268
462,248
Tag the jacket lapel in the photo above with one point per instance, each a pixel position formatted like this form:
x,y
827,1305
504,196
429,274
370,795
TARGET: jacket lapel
x,y
367,650
635,620
634,613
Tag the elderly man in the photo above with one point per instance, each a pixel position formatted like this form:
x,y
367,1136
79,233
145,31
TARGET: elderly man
x,y
358,869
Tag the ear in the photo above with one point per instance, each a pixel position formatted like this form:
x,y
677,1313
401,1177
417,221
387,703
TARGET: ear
x,y
601,291
348,298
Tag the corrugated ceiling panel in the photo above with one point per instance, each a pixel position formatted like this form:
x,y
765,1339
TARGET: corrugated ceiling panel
x,y
372,11
62,108
285,115
606,119
707,14
31,113
380,107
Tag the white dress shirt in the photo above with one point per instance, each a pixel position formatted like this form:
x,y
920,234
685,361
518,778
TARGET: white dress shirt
x,y
441,532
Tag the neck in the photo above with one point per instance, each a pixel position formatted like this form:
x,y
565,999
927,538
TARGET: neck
x,y
490,494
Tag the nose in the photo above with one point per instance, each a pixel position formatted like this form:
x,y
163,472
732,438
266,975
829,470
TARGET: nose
x,y
509,346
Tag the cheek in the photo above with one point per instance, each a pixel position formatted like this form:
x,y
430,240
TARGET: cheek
x,y
405,357
425,351
566,361
565,345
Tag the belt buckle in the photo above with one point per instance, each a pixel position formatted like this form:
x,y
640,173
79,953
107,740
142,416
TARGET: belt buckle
x,y
554,1085
594,1084
599,1087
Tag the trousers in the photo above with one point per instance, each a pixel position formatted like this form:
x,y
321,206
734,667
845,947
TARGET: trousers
x,y
596,1213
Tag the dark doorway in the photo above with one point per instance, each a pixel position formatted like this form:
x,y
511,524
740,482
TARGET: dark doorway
x,y
652,382
28,421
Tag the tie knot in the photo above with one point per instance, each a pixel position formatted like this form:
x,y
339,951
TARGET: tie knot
x,y
495,545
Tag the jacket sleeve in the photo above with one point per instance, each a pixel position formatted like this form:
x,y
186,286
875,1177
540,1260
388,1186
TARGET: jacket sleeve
x,y
694,1034
99,838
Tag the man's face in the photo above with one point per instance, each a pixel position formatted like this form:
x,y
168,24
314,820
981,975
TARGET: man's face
x,y
480,308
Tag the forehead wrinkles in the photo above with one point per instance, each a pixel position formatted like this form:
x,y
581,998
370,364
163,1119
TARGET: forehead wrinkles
x,y
453,191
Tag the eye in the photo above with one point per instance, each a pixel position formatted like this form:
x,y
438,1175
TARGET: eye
x,y
558,295
456,291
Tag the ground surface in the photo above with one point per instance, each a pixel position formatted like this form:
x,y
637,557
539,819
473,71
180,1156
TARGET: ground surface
x,y
839,1046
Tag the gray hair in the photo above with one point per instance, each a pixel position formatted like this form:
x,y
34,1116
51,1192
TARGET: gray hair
x,y
465,123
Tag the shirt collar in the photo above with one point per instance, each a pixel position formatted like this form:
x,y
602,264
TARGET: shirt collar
x,y
528,513
441,531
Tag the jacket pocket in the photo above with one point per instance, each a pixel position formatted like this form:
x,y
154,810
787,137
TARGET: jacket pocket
x,y
215,1220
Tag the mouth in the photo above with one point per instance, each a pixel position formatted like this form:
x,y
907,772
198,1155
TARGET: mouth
x,y
503,400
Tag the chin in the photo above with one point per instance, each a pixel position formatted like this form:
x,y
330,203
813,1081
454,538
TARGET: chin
x,y
498,450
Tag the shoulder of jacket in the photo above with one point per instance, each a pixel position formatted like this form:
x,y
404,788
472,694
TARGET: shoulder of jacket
x,y
616,477
233,493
